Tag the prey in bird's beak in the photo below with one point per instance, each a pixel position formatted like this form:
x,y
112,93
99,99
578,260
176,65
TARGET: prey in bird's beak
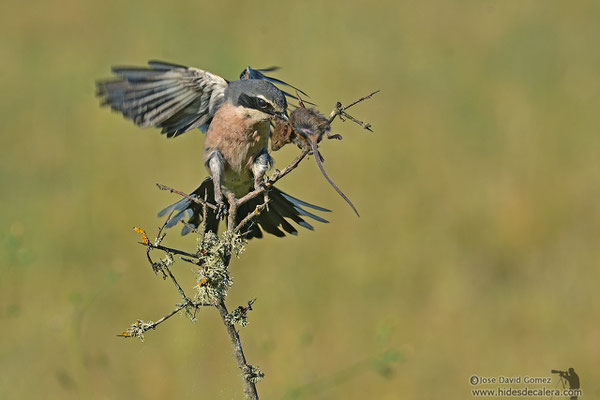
x,y
283,115
306,127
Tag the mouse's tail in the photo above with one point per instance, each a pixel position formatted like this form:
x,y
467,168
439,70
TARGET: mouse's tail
x,y
317,155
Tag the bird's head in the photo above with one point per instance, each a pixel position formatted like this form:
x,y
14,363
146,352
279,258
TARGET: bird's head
x,y
257,95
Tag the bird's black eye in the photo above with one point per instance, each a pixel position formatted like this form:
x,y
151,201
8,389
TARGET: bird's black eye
x,y
261,102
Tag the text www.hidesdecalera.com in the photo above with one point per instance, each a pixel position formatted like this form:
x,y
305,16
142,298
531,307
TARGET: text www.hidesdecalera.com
x,y
512,387
525,392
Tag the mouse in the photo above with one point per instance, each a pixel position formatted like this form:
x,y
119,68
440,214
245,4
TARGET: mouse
x,y
306,128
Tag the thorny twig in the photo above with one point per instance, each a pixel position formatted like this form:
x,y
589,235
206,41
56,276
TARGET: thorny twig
x,y
341,112
203,223
277,175
251,216
250,374
169,250
249,386
187,196
139,327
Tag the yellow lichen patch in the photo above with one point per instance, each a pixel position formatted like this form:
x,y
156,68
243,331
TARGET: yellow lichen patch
x,y
203,282
142,232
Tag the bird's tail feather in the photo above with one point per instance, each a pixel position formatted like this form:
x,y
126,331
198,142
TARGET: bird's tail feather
x,y
282,207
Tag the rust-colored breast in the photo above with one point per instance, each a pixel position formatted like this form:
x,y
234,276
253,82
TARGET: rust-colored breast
x,y
239,135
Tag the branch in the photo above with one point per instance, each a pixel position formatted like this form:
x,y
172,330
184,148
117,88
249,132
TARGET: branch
x,y
203,223
168,249
250,216
249,374
232,213
177,285
140,327
341,112
277,175
163,265
187,196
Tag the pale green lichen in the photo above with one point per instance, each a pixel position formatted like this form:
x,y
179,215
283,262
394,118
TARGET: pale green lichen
x,y
137,329
253,374
213,278
240,314
168,260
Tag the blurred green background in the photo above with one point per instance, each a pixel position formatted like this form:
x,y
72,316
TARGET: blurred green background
x,y
478,246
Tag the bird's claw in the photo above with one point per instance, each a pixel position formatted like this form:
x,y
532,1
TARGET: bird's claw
x,y
273,176
262,185
221,210
335,136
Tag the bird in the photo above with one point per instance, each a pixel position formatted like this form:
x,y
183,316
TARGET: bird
x,y
236,116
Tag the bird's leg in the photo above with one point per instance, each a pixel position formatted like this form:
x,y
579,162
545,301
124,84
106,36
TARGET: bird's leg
x,y
216,165
259,167
334,136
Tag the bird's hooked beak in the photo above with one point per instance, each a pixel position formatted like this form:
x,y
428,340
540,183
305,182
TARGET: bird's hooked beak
x,y
283,115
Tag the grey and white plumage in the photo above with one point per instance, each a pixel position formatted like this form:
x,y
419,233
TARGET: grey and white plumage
x,y
172,97
236,117
168,96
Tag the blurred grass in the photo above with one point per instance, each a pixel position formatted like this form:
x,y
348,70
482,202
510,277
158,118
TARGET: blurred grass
x,y
476,253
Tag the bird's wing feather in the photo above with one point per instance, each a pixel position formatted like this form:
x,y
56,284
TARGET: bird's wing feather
x,y
252,73
168,96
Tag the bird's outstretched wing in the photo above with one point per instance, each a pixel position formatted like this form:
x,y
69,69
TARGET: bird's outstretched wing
x,y
168,96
